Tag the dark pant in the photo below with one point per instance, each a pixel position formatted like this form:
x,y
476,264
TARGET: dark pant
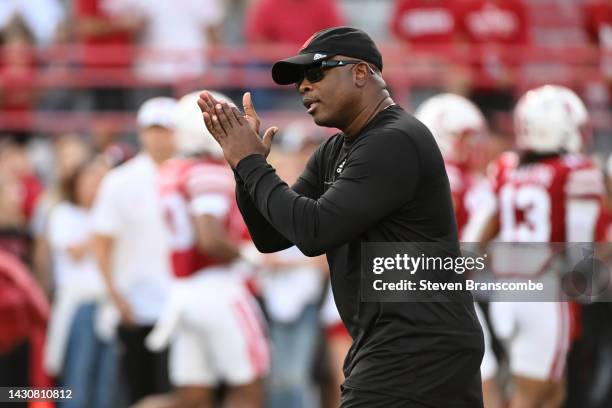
x,y
14,370
352,398
144,372
110,99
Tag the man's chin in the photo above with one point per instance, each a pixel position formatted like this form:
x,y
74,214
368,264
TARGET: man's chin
x,y
320,121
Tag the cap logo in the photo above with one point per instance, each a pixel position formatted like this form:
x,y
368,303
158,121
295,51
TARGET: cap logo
x,y
318,57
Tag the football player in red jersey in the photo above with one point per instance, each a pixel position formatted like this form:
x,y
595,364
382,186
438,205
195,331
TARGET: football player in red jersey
x,y
212,319
548,192
461,132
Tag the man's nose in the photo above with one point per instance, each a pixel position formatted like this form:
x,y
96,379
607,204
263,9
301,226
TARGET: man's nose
x,y
304,86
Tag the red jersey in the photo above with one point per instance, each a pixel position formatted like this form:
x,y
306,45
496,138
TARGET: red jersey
x,y
193,187
17,72
290,21
425,22
107,50
598,25
496,25
598,22
24,311
533,198
22,302
495,22
473,200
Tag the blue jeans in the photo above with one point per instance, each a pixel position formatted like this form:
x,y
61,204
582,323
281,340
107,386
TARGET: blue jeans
x,y
90,366
293,347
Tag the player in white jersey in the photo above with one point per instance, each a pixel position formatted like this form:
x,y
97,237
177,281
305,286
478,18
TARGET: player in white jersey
x,y
549,192
461,132
212,321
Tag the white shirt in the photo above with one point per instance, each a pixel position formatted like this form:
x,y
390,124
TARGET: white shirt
x,y
128,208
175,35
70,225
77,281
288,291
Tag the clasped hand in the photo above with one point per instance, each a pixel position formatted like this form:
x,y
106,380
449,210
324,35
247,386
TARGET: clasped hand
x,y
237,133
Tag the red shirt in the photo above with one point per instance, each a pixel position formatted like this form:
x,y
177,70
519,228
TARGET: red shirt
x,y
425,21
107,50
31,189
495,22
598,22
496,25
17,71
290,21
598,25
24,312
184,184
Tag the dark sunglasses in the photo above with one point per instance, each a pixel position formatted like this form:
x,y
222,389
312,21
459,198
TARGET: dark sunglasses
x,y
317,73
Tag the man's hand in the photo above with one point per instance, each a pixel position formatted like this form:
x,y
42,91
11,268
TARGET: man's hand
x,y
237,134
249,112
125,311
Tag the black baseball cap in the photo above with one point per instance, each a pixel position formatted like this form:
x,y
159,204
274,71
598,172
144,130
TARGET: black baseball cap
x,y
323,45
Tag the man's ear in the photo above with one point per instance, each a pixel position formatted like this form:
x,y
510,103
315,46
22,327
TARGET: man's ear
x,y
362,72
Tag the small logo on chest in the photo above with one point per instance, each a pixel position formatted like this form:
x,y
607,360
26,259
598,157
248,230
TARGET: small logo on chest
x,y
341,166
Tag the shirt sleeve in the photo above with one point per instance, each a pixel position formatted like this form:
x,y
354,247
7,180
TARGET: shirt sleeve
x,y
217,205
585,183
209,190
585,190
265,237
106,219
481,205
365,192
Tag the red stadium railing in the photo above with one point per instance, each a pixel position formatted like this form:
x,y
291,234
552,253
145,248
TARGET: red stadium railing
x,y
248,68
237,64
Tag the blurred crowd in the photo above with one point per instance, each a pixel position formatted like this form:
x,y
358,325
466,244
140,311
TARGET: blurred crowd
x,y
86,273
112,55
